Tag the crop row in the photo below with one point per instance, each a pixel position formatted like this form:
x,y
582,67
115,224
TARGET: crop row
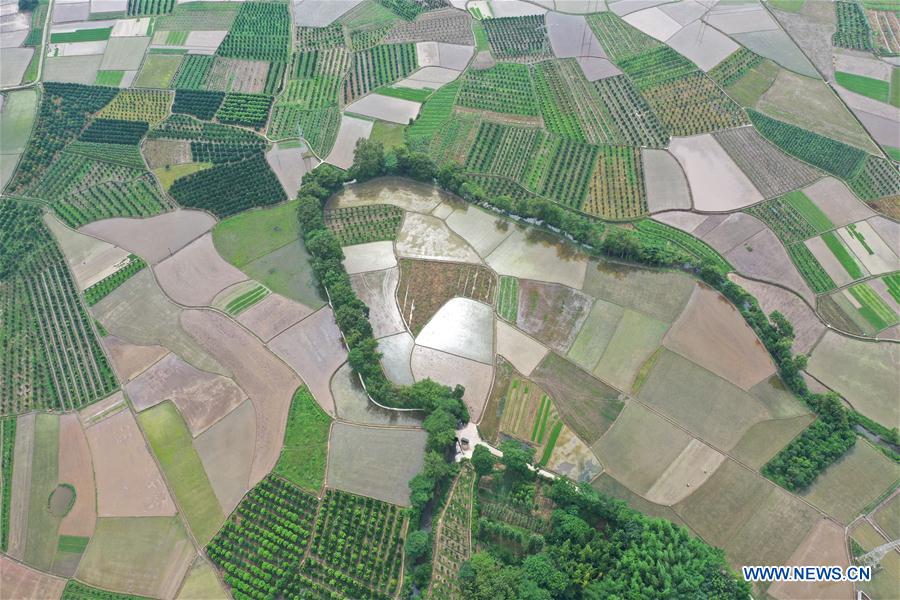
x,y
734,67
229,189
193,72
115,131
501,186
116,154
201,104
151,106
508,299
876,179
503,149
105,286
75,590
626,115
318,127
693,104
7,447
829,155
616,189
365,37
873,308
853,29
435,112
261,31
184,127
452,544
64,111
139,197
819,281
694,246
73,171
406,9
362,224
561,170
452,141
245,109
785,220
320,37
378,66
246,300
149,7
557,101
885,26
513,37
504,88
619,39
52,358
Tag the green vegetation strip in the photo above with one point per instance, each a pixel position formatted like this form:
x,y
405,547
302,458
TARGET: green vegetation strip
x,y
812,213
551,443
874,309
809,267
105,286
416,95
72,543
8,433
537,420
866,86
893,285
75,590
843,254
81,35
696,247
172,444
246,300
508,303
305,450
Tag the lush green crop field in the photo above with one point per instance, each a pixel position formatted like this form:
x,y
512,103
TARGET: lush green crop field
x,y
504,88
876,179
508,300
75,590
362,224
261,31
810,268
434,114
193,72
893,285
246,300
873,308
872,88
735,67
150,7
793,217
7,447
231,188
200,104
245,109
302,459
616,189
151,106
618,38
689,243
81,35
105,286
561,170
621,104
116,154
511,37
378,66
853,29
843,254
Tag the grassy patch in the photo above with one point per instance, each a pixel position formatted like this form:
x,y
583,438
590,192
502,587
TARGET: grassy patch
x,y
72,543
172,444
843,254
551,442
508,303
481,41
243,238
893,285
110,78
158,71
874,309
895,89
246,300
894,153
389,134
305,451
81,35
167,175
7,450
812,213
867,86
405,93
793,6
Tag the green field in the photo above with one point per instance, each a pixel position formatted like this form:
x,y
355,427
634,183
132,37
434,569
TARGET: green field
x,y
243,238
157,71
843,254
246,300
171,442
167,175
81,35
893,284
871,88
812,213
302,459
391,135
508,299
875,310
40,545
110,78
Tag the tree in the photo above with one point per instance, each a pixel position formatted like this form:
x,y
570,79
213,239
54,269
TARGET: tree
x,y
368,160
483,578
418,545
516,458
483,460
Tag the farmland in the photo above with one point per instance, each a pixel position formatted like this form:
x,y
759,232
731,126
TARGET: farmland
x,y
518,37
363,224
378,66
852,27
505,88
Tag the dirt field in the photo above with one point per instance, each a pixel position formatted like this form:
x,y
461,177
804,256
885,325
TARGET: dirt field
x,y
23,453
765,439
807,326
372,256
89,258
856,479
425,286
451,370
888,517
755,521
533,254
138,312
462,327
595,334
20,581
314,349
660,295
396,351
154,238
667,186
716,411
353,405
129,360
236,75
635,339
711,333
586,404
129,483
76,468
824,545
716,182
163,153
551,313
147,556
522,351
482,230
377,291
266,380
427,237
607,484
374,462
732,231
272,315
763,257
196,273
351,130
573,458
202,398
690,469
639,447
385,108
408,195
863,372
836,200
226,450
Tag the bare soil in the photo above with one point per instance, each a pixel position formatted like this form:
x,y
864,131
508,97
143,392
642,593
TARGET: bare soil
x,y
552,313
76,468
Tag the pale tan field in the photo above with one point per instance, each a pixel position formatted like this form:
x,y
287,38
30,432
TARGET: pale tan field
x,y
129,360
373,256
201,583
23,453
522,351
451,370
196,273
690,469
314,349
76,468
482,230
272,315
129,483
573,458
226,451
711,333
202,398
377,291
89,258
268,382
424,236
20,582
824,545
